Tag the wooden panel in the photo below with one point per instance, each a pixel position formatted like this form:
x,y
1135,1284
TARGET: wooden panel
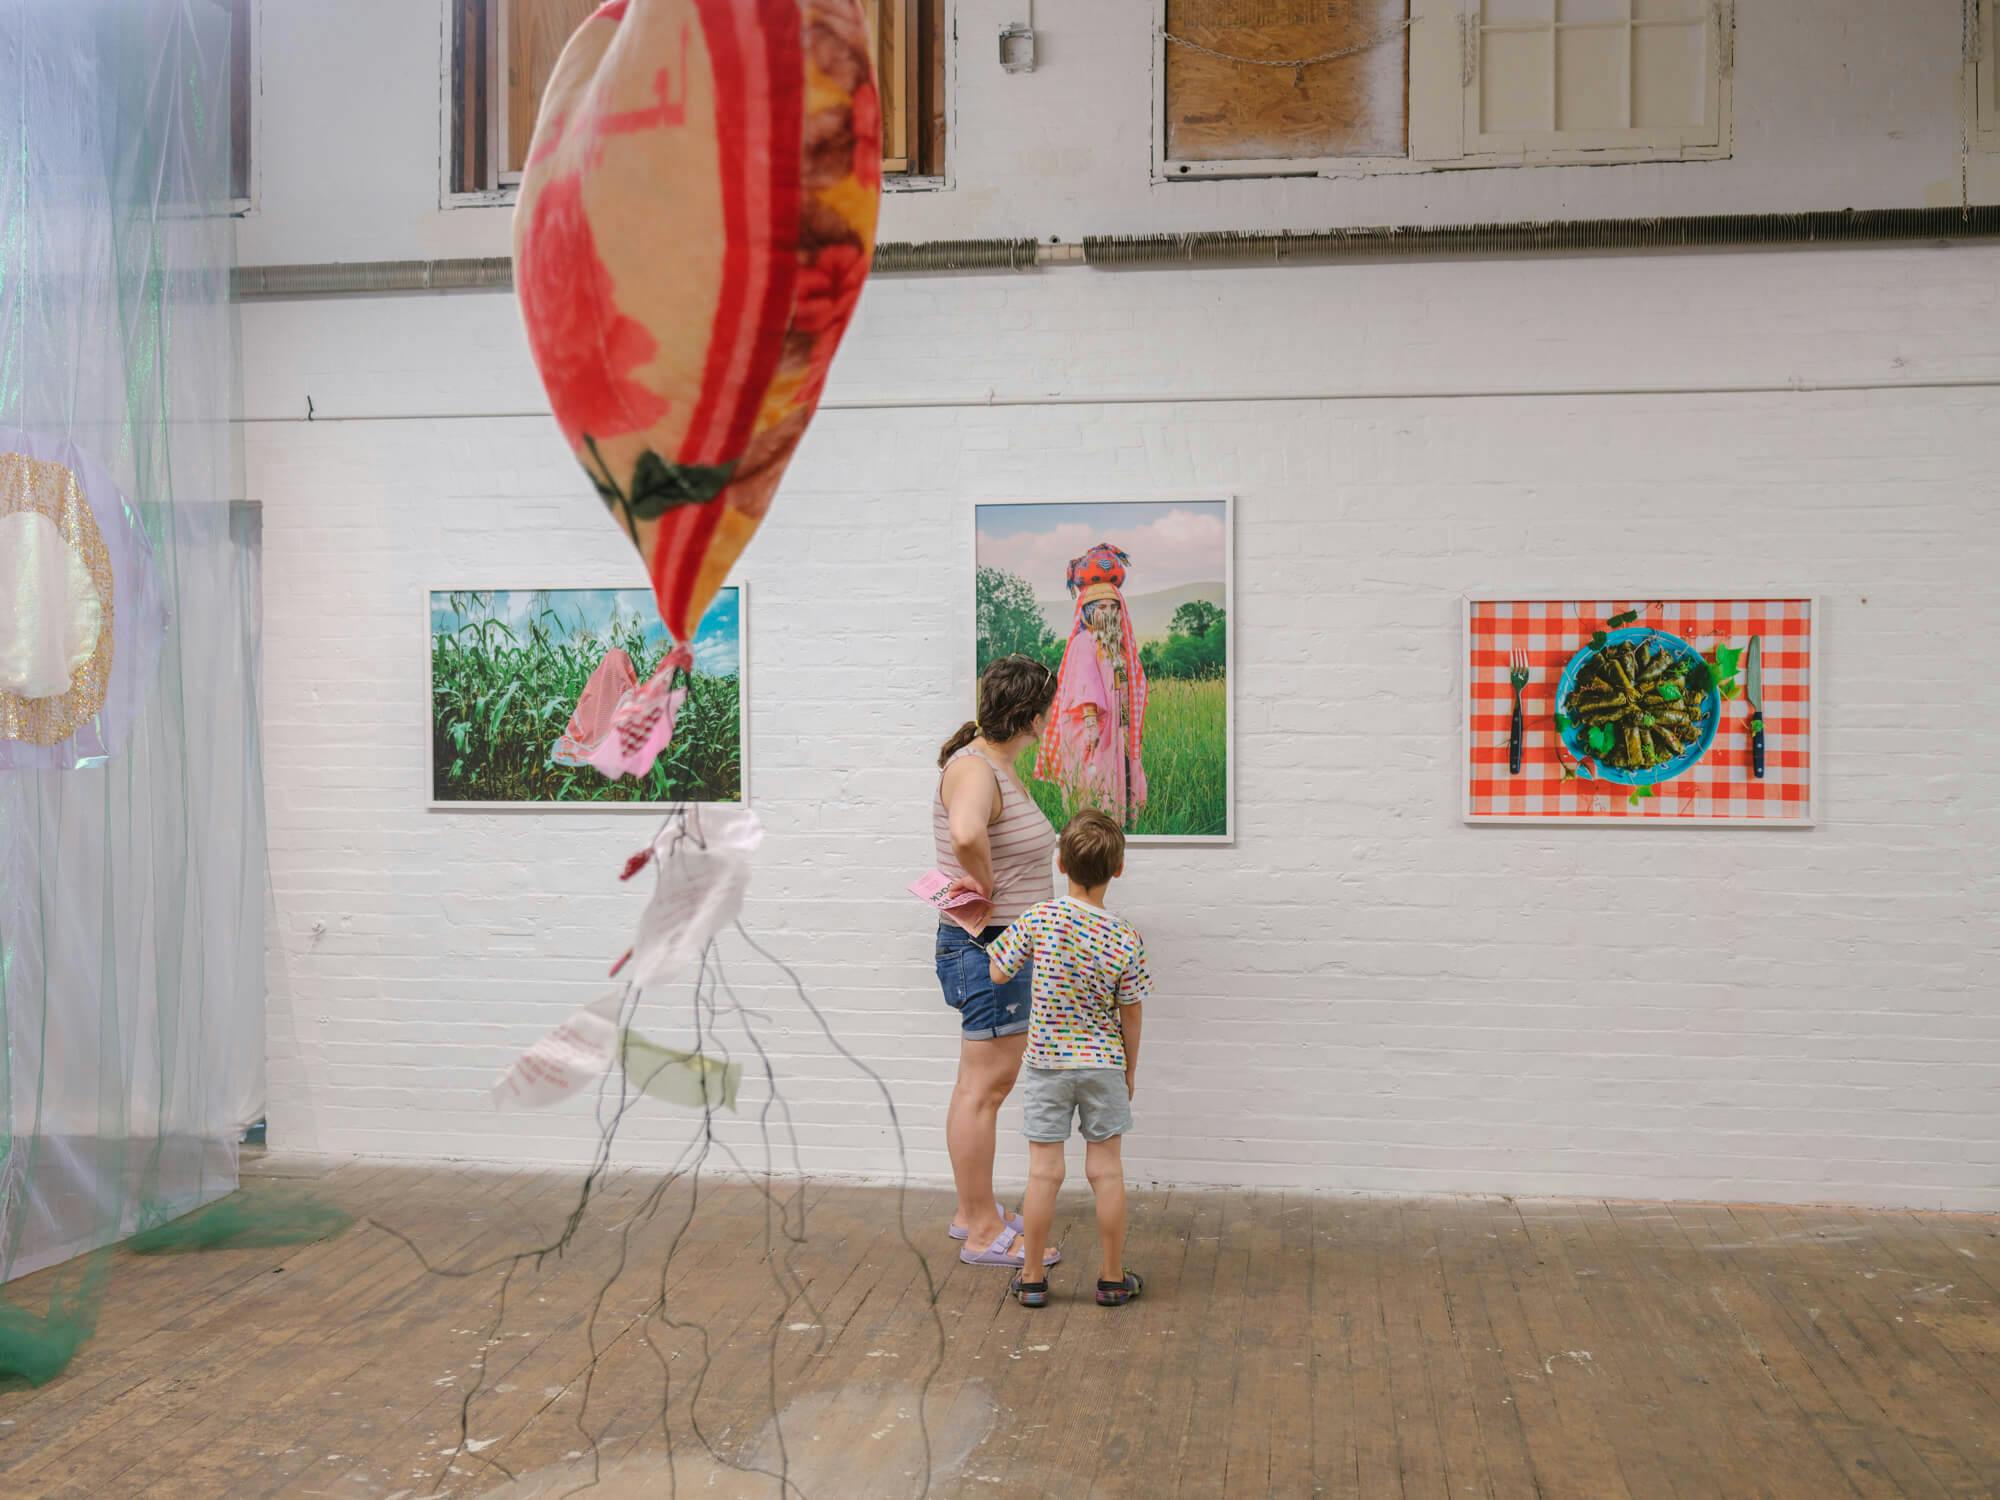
x,y
1987,76
931,50
470,30
893,24
536,32
1224,110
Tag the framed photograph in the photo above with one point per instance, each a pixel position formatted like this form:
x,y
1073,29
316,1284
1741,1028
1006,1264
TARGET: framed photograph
x,y
1684,709
1127,602
509,667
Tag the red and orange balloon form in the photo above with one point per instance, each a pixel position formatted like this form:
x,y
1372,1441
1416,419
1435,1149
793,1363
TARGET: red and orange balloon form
x,y
695,223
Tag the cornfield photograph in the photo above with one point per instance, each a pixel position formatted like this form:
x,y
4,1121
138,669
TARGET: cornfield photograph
x,y
509,670
1127,603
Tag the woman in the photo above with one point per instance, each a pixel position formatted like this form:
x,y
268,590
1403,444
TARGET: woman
x,y
991,838
1095,744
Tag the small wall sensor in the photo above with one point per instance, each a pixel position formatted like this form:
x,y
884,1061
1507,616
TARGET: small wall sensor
x,y
1017,47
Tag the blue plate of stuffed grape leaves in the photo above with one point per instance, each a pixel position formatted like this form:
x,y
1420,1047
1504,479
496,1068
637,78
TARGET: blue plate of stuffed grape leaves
x,y
1641,707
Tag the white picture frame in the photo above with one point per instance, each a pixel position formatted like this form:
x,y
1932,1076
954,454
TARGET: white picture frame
x,y
1154,502
1813,801
641,595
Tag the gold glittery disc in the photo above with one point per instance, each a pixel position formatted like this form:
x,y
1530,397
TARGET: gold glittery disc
x,y
51,489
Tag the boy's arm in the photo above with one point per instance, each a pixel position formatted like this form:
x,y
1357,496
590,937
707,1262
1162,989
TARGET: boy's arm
x,y
1134,985
1007,952
1128,1022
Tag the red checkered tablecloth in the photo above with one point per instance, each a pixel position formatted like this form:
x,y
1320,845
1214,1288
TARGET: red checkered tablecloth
x,y
1719,786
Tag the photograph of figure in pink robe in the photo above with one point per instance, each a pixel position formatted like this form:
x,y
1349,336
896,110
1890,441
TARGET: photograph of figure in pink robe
x,y
1128,603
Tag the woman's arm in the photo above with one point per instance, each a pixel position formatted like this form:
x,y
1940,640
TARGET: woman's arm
x,y
971,790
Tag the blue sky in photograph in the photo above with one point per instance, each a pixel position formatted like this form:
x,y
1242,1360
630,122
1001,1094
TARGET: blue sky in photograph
x,y
717,643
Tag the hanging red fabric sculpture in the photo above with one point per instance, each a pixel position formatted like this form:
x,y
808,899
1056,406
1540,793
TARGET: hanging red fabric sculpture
x,y
695,224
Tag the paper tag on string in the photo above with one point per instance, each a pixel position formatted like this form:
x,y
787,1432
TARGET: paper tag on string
x,y
704,865
685,1078
566,1061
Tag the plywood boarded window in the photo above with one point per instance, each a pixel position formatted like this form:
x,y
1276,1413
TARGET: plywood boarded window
x,y
504,51
1227,101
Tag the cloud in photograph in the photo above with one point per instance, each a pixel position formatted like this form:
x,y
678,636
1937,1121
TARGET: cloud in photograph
x,y
718,641
1170,544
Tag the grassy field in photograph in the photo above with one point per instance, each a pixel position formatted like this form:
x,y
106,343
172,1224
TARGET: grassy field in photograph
x,y
500,699
1187,749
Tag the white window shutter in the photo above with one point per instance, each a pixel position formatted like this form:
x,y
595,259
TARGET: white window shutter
x,y
1441,34
1632,79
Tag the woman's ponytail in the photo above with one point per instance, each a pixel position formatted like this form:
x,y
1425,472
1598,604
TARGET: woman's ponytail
x,y
967,733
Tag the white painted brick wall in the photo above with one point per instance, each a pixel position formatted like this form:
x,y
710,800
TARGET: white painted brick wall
x,y
1362,992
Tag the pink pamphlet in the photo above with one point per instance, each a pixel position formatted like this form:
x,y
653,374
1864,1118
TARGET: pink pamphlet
x,y
968,909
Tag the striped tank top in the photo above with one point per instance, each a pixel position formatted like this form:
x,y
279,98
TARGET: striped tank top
x,y
1023,842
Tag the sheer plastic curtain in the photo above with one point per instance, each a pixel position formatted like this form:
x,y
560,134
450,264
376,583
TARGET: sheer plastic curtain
x,y
131,808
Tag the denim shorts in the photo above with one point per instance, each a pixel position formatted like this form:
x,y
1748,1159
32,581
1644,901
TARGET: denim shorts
x,y
985,1010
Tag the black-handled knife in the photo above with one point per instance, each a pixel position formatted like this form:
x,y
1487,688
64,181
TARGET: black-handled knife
x,y
1753,690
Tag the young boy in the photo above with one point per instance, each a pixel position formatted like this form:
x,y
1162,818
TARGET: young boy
x,y
1083,1047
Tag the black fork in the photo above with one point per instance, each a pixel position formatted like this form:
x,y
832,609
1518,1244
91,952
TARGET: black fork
x,y
1517,678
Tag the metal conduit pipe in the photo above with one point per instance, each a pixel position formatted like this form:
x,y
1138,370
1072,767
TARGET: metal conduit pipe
x,y
1693,232
370,278
1847,227
377,278
931,257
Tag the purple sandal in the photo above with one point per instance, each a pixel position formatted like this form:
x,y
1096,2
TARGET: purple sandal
x,y
996,1254
1011,1221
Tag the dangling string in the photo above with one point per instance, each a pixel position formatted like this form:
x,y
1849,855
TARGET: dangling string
x,y
785,1214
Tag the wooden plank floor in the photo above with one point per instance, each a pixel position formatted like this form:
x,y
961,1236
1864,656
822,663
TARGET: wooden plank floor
x,y
1288,1345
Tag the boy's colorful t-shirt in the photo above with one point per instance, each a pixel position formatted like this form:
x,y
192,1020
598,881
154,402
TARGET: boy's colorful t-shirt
x,y
1087,964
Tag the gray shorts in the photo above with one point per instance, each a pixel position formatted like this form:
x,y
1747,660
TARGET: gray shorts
x,y
1095,1095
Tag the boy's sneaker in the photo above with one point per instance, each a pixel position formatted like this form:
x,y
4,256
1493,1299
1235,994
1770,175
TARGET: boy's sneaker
x,y
1118,1293
1031,1293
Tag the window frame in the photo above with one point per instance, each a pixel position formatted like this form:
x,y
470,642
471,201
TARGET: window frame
x,y
1982,75
1443,100
250,74
937,49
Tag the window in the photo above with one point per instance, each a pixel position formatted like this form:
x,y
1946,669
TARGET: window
x,y
528,38
503,51
242,85
1266,87
1983,74
910,39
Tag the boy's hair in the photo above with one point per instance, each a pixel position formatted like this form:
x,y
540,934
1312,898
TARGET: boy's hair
x,y
1093,848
